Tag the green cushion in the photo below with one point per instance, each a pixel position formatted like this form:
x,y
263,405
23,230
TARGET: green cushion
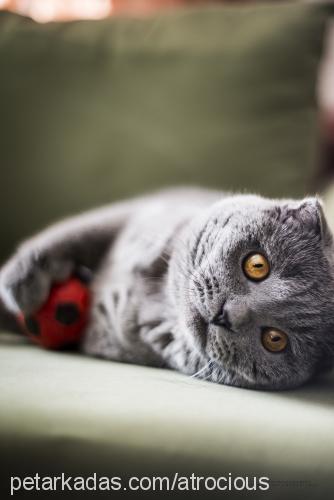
x,y
63,412
98,110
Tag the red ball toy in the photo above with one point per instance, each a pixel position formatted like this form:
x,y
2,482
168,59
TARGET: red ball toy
x,y
61,320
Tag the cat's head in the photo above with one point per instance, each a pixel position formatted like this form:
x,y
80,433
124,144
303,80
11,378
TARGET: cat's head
x,y
254,284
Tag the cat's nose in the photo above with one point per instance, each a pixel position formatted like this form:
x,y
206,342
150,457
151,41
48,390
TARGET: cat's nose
x,y
222,319
234,316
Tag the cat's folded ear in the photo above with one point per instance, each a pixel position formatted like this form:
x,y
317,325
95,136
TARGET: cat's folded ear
x,y
311,214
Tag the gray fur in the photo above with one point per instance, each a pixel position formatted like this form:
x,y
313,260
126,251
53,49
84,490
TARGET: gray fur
x,y
166,264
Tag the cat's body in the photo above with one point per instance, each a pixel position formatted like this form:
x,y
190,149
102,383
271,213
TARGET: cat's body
x,y
166,265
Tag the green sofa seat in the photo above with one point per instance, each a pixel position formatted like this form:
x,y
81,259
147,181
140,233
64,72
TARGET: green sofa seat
x,y
61,412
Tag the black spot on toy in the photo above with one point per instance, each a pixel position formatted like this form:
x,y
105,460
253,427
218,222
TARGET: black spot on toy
x,y
67,314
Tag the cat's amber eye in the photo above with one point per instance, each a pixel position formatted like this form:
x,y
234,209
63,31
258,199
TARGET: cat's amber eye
x,y
274,340
256,267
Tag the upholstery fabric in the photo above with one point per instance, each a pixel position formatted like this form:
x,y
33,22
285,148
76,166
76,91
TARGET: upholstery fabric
x,y
92,111
63,412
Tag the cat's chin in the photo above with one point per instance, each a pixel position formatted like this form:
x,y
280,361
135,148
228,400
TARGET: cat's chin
x,y
232,376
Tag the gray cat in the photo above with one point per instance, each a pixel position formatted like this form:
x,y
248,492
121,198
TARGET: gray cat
x,y
235,289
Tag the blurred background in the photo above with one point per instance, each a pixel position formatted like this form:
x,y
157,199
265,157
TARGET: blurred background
x,y
50,10
65,10
104,99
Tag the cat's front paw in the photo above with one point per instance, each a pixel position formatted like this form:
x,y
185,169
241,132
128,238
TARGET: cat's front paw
x,y
25,280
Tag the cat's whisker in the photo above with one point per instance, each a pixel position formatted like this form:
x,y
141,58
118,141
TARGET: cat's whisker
x,y
205,367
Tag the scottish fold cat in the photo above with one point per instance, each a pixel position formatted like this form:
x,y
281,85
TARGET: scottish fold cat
x,y
235,289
